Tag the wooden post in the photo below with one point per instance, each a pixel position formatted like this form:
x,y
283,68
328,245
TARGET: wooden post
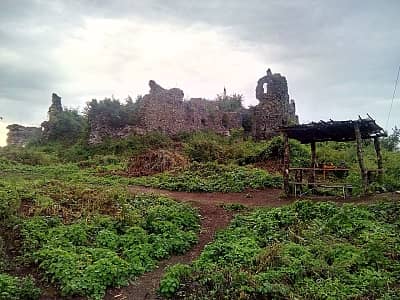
x,y
377,145
360,157
286,163
313,161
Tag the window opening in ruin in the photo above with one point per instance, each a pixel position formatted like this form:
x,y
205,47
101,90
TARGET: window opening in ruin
x,y
203,122
265,87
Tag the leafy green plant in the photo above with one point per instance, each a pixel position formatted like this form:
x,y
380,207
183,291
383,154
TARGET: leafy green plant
x,y
235,207
171,281
89,255
302,251
9,201
13,288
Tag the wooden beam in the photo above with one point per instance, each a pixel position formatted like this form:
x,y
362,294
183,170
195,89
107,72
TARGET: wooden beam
x,y
286,163
363,171
377,145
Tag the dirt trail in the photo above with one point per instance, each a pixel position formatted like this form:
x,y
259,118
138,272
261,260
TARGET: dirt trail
x,y
268,197
214,218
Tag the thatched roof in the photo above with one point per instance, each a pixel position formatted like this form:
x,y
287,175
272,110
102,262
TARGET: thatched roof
x,y
339,131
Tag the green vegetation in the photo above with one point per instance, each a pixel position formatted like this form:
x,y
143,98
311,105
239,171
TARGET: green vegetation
x,y
212,177
301,251
13,288
66,214
210,147
87,256
84,231
392,141
113,112
67,126
230,103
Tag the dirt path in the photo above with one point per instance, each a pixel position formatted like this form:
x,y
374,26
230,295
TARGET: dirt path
x,y
268,197
214,218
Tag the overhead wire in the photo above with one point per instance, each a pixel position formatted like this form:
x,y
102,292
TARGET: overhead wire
x,y
394,94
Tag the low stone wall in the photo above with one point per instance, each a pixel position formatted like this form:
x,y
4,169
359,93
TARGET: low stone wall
x,y
19,135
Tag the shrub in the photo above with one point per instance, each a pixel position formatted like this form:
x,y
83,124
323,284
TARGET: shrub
x,y
9,201
27,156
13,288
299,154
66,126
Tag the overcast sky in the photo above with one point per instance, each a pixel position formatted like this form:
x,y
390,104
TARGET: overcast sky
x,y
340,57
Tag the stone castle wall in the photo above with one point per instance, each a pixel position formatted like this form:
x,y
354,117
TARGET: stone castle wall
x,y
165,111
19,135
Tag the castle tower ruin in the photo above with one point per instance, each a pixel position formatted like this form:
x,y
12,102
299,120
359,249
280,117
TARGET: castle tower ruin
x,y
274,109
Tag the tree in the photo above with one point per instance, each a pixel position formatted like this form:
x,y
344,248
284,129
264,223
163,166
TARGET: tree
x,y
66,126
391,142
230,103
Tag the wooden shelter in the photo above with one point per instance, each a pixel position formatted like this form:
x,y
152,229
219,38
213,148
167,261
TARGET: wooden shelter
x,y
338,131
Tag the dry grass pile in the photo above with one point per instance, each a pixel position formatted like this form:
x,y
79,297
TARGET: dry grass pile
x,y
156,161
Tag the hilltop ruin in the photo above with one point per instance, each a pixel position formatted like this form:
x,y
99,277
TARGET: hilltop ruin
x,y
166,111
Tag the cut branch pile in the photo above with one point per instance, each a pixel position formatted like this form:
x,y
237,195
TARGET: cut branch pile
x,y
155,161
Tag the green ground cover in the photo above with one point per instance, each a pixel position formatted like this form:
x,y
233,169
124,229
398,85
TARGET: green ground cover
x,y
85,232
212,177
65,206
302,251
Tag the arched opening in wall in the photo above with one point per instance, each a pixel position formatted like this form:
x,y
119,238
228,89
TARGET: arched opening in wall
x,y
265,87
203,122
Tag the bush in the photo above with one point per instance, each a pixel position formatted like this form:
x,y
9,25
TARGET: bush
x,y
274,149
13,288
171,281
27,156
67,126
210,147
112,112
9,202
391,176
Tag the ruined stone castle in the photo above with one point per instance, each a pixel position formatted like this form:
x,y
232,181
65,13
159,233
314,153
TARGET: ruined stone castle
x,y
166,111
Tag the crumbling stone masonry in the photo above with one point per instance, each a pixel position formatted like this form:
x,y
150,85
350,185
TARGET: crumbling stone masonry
x,y
274,108
19,135
165,111
54,110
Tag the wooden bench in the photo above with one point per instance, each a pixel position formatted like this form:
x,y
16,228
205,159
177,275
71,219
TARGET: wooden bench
x,y
344,187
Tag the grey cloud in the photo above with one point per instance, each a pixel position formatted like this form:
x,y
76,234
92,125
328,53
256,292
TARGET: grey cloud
x,y
334,53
